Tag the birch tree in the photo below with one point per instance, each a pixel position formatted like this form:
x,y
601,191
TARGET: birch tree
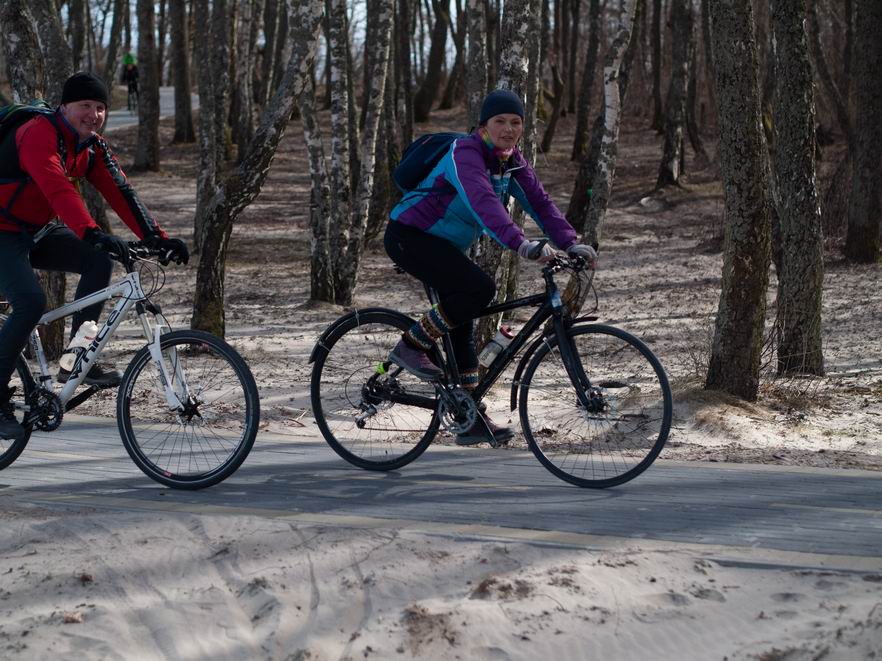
x,y
476,71
33,73
147,149
520,22
244,183
738,333
321,281
21,51
181,66
682,45
586,90
428,90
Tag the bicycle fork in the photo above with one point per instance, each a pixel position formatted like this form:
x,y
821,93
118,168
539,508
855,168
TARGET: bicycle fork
x,y
172,378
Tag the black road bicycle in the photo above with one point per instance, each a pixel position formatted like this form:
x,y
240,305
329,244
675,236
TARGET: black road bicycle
x,y
594,402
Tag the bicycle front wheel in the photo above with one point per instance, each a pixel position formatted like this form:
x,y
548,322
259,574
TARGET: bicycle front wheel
x,y
618,429
207,438
373,414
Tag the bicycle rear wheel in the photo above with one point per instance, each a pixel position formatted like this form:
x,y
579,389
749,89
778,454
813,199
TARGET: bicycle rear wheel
x,y
628,414
208,439
358,399
23,383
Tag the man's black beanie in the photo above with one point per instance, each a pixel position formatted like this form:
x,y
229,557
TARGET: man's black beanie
x,y
84,86
499,102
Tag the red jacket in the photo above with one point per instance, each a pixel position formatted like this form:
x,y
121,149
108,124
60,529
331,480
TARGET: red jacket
x,y
49,192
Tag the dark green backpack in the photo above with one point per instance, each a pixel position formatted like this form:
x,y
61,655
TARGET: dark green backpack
x,y
11,117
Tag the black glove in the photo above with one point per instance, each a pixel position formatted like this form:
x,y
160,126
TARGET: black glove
x,y
108,243
172,250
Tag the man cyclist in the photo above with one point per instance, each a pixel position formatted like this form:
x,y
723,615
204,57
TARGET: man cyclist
x,y
41,165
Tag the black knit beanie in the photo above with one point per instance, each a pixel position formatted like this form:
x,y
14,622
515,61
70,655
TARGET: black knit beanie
x,y
84,86
499,102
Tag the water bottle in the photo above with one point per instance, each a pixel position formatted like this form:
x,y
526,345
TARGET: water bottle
x,y
86,333
493,347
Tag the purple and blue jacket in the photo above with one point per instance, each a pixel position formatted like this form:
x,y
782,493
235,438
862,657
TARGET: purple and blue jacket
x,y
464,195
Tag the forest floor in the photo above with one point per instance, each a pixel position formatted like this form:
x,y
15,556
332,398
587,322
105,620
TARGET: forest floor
x,y
95,584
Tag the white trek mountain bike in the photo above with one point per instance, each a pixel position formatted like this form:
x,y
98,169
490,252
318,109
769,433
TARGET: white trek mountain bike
x,y
187,406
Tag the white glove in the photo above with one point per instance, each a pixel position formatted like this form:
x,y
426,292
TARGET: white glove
x,y
588,253
528,246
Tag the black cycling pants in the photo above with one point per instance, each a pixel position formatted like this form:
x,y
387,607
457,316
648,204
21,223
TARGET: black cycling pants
x,y
463,288
60,250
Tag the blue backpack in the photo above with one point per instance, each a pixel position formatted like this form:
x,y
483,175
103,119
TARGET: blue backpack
x,y
420,157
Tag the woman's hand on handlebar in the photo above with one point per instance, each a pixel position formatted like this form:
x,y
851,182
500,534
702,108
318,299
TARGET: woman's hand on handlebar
x,y
539,251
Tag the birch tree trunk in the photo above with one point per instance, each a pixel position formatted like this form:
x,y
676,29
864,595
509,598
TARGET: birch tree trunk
x,y
428,91
476,71
270,34
405,19
682,44
24,67
345,286
249,10
321,280
21,51
801,273
738,334
243,184
864,211
602,181
57,56
341,180
77,25
181,67
519,22
213,79
147,150
111,63
580,140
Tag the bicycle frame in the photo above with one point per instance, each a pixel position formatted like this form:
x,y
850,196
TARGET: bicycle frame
x,y
131,295
550,306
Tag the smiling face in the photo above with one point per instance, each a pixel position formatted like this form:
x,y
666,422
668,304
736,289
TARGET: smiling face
x,y
505,130
86,117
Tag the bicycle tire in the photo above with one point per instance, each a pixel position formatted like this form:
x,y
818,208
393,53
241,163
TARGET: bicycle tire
x,y
614,443
217,434
24,385
345,364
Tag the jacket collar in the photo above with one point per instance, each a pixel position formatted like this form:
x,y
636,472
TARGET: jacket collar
x,y
70,134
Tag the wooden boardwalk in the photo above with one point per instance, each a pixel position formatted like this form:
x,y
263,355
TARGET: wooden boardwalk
x,y
748,513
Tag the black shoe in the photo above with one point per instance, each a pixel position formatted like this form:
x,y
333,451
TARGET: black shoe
x,y
99,375
10,428
477,434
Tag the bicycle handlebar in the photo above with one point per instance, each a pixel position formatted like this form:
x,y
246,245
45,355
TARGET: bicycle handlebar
x,y
138,250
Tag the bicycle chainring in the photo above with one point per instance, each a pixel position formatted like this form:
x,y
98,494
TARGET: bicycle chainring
x,y
457,410
47,411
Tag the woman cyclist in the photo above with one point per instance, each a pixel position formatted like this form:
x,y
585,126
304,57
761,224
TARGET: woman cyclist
x,y
433,227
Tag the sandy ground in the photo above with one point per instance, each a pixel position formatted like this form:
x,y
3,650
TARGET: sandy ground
x,y
85,584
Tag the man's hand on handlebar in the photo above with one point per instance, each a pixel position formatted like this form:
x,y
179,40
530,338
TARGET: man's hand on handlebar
x,y
169,250
113,245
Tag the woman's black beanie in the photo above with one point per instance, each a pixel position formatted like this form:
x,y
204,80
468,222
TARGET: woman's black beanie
x,y
499,102
84,86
